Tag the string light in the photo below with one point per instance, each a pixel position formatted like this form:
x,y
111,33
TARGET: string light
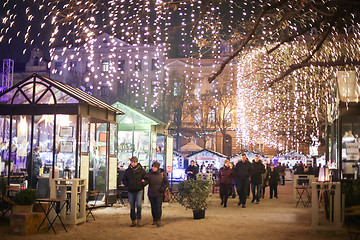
x,y
283,116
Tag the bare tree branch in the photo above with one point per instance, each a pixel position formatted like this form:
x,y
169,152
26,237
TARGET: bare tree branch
x,y
265,9
315,64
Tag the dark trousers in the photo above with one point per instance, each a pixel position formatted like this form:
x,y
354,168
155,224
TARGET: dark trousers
x,y
263,192
135,198
273,190
256,191
242,186
34,180
156,205
282,179
232,192
225,192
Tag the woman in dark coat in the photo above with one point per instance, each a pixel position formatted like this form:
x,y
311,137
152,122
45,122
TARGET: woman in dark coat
x,y
225,176
158,182
273,176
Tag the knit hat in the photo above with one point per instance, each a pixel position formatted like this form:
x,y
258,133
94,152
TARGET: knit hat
x,y
134,159
156,164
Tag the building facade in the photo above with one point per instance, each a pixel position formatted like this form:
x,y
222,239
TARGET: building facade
x,y
112,71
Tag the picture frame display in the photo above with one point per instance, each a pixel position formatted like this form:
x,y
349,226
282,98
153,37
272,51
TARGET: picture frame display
x,y
66,146
66,131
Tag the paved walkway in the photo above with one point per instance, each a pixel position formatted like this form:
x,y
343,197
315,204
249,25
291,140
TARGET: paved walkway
x,y
272,219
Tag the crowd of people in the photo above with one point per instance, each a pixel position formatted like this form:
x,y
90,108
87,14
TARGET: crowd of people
x,y
243,178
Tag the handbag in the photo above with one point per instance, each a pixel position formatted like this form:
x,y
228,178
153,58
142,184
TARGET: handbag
x,y
167,193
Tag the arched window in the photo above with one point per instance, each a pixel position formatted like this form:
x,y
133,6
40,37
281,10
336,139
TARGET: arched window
x,y
36,61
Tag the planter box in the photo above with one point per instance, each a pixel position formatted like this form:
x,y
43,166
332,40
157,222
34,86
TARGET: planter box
x,y
27,223
22,208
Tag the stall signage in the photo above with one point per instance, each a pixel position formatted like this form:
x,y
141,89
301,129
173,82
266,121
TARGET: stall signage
x,y
352,151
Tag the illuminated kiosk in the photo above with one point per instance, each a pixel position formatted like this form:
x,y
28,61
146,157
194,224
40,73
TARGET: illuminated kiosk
x,y
207,157
342,152
76,133
343,119
143,136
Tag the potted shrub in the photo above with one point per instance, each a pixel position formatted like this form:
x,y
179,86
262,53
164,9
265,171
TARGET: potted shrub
x,y
24,200
194,194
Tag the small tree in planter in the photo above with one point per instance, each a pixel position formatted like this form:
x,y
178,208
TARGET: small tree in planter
x,y
194,194
24,200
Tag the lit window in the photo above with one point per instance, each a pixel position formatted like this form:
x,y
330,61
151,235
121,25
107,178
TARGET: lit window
x,y
105,66
211,116
197,117
177,88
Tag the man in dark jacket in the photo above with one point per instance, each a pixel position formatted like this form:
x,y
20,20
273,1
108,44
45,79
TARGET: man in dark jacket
x,y
135,180
257,168
273,176
33,166
242,173
192,170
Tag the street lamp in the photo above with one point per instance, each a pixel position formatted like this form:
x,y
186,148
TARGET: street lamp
x,y
348,127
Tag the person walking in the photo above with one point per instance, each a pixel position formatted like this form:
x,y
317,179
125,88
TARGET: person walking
x,y
281,169
158,182
135,180
233,183
225,176
257,168
192,170
265,180
242,173
273,176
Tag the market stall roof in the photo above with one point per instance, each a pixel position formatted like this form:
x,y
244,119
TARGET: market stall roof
x,y
136,116
178,154
207,152
42,92
190,147
292,155
137,120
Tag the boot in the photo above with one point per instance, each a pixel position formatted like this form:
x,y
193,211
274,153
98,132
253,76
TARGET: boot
x,y
138,223
158,223
133,223
154,222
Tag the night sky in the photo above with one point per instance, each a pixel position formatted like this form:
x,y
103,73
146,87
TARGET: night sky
x,y
14,49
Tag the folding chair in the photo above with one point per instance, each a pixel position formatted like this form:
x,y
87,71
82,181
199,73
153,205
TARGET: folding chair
x,y
91,205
